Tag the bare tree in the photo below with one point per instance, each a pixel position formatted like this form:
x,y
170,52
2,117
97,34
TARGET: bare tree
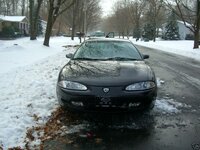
x,y
93,14
34,14
5,7
106,24
75,16
126,17
56,8
153,14
137,9
122,18
9,7
23,7
14,6
188,11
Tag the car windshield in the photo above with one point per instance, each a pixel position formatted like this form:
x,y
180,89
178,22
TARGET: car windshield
x,y
107,50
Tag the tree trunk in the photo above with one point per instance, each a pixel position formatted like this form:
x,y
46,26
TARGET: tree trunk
x,y
137,27
154,30
52,16
23,7
127,32
34,14
31,7
196,33
49,26
123,34
59,25
47,34
80,18
73,22
196,39
13,7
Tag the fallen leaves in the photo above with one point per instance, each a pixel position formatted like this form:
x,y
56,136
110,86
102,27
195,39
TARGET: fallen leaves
x,y
51,130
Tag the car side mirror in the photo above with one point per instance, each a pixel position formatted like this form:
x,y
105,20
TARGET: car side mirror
x,y
70,55
145,56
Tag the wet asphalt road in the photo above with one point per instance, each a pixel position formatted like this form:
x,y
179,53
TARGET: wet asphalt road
x,y
153,130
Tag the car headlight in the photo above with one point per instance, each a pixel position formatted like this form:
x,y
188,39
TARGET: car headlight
x,y
140,86
72,85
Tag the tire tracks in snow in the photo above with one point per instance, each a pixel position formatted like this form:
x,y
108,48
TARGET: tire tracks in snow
x,y
187,78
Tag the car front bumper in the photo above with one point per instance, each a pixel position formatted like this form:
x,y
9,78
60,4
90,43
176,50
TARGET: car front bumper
x,y
94,99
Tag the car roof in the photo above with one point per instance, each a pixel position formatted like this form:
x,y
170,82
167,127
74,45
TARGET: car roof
x,y
108,39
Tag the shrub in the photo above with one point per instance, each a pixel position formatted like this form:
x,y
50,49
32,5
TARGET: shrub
x,y
8,32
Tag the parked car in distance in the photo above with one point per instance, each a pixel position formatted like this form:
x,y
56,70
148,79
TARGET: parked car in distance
x,y
97,34
106,75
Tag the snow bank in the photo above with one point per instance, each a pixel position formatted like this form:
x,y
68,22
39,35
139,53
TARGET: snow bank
x,y
28,92
28,97
180,47
22,52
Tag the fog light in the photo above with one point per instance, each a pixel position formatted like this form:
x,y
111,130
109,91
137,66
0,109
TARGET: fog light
x,y
134,104
80,104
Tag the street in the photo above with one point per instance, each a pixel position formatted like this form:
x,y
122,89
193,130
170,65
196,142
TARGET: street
x,y
155,130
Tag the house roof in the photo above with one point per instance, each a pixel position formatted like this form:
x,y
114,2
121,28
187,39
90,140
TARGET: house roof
x,y
12,18
187,24
178,21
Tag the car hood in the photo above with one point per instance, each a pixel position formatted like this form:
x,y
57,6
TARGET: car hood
x,y
106,73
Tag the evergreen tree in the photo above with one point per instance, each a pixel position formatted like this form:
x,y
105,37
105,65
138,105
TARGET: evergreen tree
x,y
136,33
148,32
171,28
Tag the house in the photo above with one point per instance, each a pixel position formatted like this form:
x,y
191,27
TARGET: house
x,y
184,32
18,23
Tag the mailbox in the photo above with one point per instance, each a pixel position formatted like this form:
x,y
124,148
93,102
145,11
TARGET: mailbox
x,y
80,34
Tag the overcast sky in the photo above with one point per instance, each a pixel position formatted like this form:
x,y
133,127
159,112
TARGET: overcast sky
x,y
107,6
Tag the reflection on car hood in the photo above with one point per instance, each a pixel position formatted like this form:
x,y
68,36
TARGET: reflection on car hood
x,y
106,73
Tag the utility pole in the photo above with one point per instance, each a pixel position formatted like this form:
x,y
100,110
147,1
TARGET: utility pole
x,y
85,18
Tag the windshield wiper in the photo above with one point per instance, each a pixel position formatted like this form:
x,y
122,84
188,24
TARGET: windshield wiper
x,y
82,58
112,58
120,58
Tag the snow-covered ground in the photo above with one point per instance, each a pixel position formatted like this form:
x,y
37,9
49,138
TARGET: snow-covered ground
x,y
28,74
180,47
27,85
22,52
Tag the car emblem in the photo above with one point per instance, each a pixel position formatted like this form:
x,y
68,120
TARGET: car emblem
x,y
106,90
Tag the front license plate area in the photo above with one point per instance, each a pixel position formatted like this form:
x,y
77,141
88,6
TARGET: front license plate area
x,y
104,102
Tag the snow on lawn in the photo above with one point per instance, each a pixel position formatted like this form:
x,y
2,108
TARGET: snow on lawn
x,y
23,51
28,98
180,47
27,94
